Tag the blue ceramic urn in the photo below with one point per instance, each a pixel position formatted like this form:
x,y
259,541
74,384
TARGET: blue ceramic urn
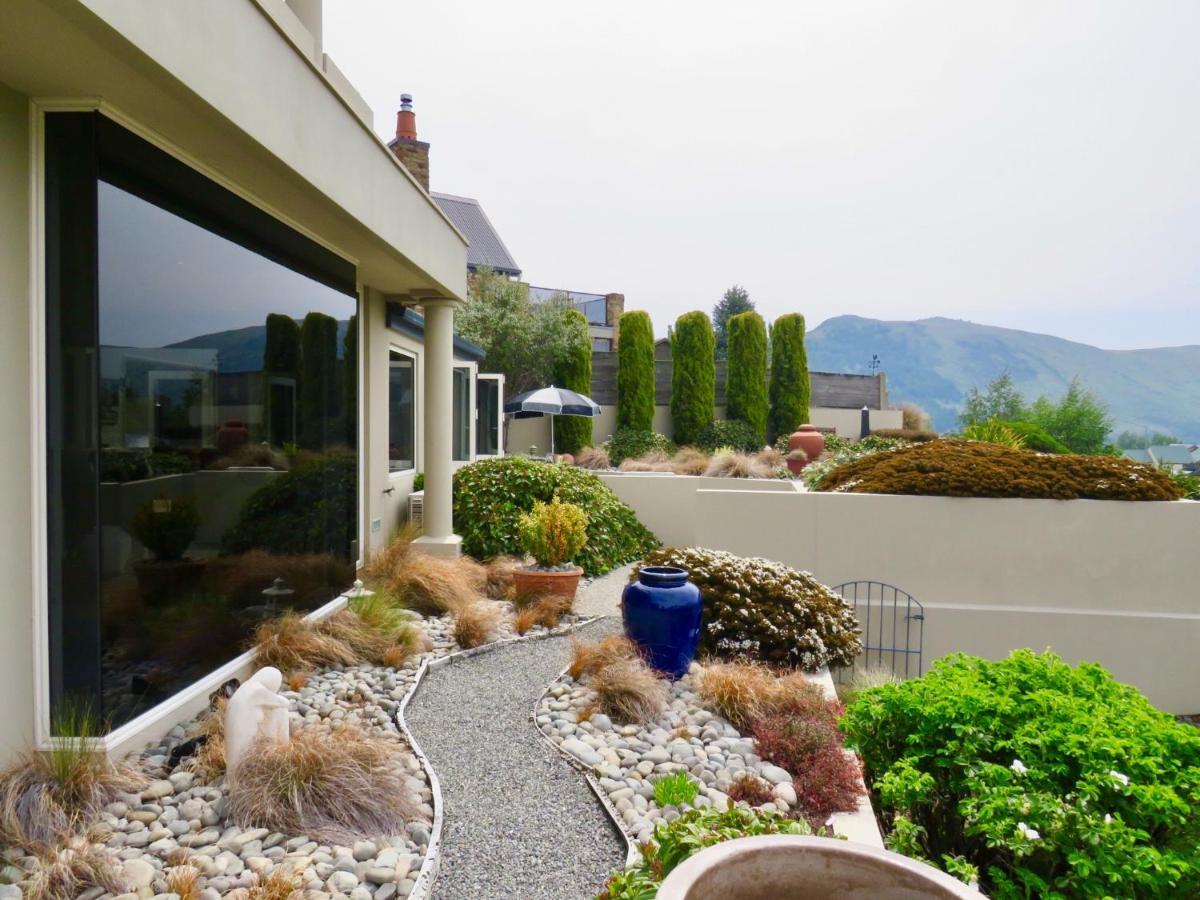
x,y
661,611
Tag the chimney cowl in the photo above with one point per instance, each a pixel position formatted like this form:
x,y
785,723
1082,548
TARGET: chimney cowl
x,y
406,120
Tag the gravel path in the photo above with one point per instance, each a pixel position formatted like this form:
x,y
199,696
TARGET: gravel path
x,y
602,597
519,822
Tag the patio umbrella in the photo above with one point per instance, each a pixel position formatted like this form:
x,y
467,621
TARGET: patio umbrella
x,y
551,401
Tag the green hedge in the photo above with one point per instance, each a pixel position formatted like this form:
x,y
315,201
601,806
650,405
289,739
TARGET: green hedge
x,y
491,495
954,468
746,386
635,372
693,376
630,444
281,353
728,433
790,388
574,372
1043,779
318,388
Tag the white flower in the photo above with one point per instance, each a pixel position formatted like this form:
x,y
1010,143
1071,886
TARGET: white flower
x,y
1107,819
1124,779
1027,832
1019,767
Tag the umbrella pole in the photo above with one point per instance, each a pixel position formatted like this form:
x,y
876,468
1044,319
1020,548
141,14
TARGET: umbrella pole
x,y
551,437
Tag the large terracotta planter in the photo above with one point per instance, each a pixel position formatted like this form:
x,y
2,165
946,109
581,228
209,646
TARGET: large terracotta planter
x,y
534,582
771,867
808,439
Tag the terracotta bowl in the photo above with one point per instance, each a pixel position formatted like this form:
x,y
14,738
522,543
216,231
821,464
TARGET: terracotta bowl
x,y
531,582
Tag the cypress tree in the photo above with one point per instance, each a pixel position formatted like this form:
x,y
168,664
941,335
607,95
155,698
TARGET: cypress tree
x,y
790,389
635,372
350,382
746,392
574,372
281,358
693,376
318,386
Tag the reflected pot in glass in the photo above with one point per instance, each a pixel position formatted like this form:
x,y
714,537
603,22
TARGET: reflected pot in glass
x,y
662,611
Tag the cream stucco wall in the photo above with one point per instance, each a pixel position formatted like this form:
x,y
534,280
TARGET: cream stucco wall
x,y
16,600
1105,581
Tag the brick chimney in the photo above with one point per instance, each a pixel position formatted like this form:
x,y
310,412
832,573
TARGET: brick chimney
x,y
412,153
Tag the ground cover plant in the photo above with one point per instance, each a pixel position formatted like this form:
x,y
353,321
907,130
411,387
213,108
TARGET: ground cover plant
x,y
955,468
694,830
491,495
1040,778
675,789
765,610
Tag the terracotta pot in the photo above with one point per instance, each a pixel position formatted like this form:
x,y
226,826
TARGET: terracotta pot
x,y
232,436
530,581
808,439
783,865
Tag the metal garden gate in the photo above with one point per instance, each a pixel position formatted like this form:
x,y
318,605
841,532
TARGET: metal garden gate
x,y
893,626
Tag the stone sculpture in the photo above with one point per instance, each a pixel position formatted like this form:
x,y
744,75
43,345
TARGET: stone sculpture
x,y
255,711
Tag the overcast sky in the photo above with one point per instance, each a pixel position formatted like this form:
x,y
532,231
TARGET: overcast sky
x,y
1034,165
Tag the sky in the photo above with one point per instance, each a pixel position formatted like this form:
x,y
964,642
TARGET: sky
x,y
1033,165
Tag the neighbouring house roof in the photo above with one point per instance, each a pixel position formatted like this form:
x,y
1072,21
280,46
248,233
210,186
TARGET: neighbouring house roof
x,y
411,322
1141,456
486,248
1175,454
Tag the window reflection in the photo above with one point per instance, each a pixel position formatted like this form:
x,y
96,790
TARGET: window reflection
x,y
461,424
402,423
227,408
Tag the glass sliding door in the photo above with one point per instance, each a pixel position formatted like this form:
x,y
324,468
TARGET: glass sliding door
x,y
206,448
489,415
402,412
461,426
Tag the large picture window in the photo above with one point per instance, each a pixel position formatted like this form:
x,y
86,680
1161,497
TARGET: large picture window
x,y
202,420
402,412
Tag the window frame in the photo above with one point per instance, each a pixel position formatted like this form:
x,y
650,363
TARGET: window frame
x,y
417,407
498,379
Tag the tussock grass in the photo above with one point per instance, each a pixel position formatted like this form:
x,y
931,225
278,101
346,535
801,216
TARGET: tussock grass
x,y
427,584
588,657
208,762
476,623
335,786
689,461
525,619
281,884
290,643
744,692
296,681
499,574
71,866
184,881
365,642
728,464
627,690
770,457
46,795
592,458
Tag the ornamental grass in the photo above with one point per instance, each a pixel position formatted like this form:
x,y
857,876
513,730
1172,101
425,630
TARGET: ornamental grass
x,y
477,623
588,657
628,690
72,866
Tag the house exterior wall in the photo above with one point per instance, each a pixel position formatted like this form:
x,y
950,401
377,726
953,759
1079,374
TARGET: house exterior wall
x,y
1104,581
16,607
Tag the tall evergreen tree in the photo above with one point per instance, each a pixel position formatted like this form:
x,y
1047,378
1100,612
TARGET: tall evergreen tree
x,y
746,389
790,389
350,382
574,372
635,372
735,301
318,385
693,376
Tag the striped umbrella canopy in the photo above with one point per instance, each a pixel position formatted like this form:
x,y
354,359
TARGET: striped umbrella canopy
x,y
551,401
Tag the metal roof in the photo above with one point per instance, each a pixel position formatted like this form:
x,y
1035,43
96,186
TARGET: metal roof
x,y
412,322
486,248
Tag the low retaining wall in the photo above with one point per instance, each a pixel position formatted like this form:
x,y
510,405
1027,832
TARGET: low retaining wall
x,y
1106,581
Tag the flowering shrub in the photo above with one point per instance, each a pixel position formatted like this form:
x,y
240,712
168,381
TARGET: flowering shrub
x,y
1039,778
954,468
765,610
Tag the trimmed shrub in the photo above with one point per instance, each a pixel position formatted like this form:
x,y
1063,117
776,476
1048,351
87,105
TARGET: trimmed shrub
x,y
166,527
839,451
766,611
573,371
635,372
913,436
490,496
317,393
553,533
693,376
691,832
628,443
746,387
311,509
790,388
952,468
281,352
728,433
1049,780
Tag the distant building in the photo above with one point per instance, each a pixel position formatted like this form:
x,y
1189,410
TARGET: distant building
x,y
602,312
1174,457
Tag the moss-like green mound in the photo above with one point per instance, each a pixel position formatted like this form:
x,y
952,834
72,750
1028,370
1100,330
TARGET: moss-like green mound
x,y
765,611
953,468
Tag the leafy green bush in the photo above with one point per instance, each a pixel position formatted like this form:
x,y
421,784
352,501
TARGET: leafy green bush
x,y
134,465
746,386
765,610
490,496
573,370
728,433
693,376
166,526
1189,485
311,509
1035,437
553,533
628,443
993,431
1049,780
952,468
790,388
635,372
695,829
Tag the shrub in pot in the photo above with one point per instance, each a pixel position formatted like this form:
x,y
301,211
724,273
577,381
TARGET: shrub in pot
x,y
166,527
553,534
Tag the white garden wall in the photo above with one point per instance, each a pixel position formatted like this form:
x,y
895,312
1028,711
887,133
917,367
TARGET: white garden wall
x,y
1106,581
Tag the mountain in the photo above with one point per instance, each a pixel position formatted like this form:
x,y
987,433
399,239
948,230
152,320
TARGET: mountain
x,y
934,362
241,349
